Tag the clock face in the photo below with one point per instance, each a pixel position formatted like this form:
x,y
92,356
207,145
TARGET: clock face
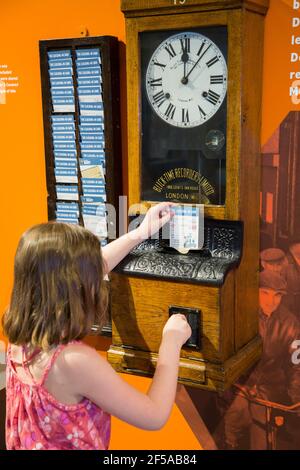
x,y
186,79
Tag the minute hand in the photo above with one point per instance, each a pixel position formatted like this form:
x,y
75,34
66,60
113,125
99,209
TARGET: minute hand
x,y
197,62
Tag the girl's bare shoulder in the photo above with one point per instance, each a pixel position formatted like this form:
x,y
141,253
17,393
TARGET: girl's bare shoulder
x,y
78,355
75,364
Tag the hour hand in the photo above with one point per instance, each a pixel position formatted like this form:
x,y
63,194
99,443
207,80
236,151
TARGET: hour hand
x,y
184,58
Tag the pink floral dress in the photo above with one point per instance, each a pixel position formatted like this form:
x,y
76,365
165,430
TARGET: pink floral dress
x,y
35,420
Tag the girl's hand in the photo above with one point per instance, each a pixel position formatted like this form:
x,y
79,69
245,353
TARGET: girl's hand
x,y
155,218
177,329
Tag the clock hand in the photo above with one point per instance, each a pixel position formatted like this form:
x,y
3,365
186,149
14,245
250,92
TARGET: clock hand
x,y
196,76
185,78
184,58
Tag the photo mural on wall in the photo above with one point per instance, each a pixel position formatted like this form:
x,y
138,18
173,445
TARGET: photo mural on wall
x,y
262,410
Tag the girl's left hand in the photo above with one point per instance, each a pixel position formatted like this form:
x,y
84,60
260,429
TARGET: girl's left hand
x,y
155,218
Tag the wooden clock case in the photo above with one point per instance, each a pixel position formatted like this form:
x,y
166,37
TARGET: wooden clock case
x,y
217,287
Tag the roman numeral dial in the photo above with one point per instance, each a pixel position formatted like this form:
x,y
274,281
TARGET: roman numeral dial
x,y
186,79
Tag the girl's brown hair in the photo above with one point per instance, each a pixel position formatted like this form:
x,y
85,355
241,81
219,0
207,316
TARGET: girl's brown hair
x,y
58,291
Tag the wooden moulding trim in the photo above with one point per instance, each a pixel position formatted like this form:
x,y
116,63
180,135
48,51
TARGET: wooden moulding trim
x,y
211,376
215,212
135,8
144,363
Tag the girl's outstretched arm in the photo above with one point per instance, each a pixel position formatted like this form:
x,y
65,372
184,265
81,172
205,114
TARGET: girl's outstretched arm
x,y
91,376
155,218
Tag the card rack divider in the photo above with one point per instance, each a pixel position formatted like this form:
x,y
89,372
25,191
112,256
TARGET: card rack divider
x,y
112,121
77,133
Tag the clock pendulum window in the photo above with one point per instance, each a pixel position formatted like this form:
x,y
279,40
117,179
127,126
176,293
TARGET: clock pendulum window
x,y
194,138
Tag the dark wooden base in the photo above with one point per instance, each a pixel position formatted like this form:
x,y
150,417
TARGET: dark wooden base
x,y
200,374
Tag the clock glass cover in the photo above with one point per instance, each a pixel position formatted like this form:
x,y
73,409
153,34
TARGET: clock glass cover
x,y
184,86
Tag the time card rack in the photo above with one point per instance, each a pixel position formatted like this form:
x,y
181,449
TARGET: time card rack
x,y
82,135
81,111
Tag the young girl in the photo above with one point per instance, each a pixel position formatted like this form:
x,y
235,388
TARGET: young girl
x,y
61,392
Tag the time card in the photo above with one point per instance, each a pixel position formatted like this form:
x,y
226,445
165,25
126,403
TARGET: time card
x,y
187,228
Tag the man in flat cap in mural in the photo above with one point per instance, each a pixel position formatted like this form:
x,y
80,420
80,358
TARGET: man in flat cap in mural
x,y
275,377
273,259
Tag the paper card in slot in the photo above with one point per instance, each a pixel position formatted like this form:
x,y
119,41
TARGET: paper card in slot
x,y
92,90
96,129
93,199
90,98
87,63
91,109
91,146
92,112
67,118
91,171
60,63
66,171
101,206
89,95
63,108
100,154
65,163
63,100
70,136
67,221
63,128
60,73
88,82
91,120
89,72
64,145
59,54
87,52
67,205
62,92
93,182
66,175
85,162
64,154
70,207
63,104
95,224
67,192
94,209
92,137
187,228
57,82
93,190
66,215
66,179
92,158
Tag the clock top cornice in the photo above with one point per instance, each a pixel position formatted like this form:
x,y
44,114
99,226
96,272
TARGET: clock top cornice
x,y
137,8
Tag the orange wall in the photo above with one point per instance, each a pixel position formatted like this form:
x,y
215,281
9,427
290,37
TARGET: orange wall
x,y
23,24
22,176
23,185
